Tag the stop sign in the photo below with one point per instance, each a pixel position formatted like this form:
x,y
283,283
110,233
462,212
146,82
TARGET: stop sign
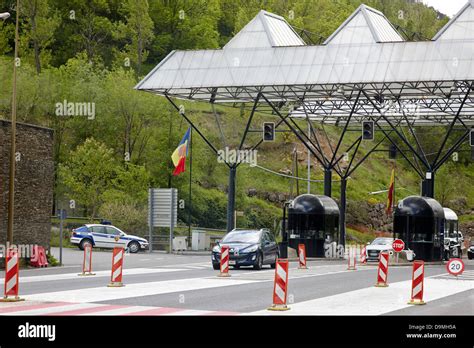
x,y
398,245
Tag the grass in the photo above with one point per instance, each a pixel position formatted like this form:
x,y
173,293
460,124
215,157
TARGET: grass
x,y
54,242
359,237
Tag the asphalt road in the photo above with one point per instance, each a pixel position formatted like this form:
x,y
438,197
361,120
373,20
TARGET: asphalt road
x,y
187,284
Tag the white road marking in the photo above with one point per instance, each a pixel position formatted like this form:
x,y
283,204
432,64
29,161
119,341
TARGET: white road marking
x,y
374,301
103,293
70,276
58,308
53,310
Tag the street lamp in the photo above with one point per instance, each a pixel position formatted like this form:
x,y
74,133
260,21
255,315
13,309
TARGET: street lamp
x,y
4,15
11,190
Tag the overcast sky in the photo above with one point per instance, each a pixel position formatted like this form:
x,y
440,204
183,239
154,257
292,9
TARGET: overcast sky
x,y
448,7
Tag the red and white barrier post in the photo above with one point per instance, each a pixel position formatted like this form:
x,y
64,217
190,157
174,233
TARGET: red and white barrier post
x,y
224,262
87,263
302,256
280,287
117,267
363,256
418,283
351,259
12,276
382,272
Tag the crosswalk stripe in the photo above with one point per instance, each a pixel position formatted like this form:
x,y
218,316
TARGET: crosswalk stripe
x,y
99,294
70,309
72,276
373,300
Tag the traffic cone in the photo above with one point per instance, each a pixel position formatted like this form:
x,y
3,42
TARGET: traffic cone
x,y
224,270
280,287
87,263
117,263
12,276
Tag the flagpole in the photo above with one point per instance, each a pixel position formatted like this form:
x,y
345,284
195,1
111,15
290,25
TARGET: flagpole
x,y
190,183
394,198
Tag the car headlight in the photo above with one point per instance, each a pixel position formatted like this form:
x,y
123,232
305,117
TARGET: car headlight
x,y
251,249
216,249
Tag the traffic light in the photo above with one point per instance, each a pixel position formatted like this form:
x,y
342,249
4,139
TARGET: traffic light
x,y
368,130
471,137
268,131
392,152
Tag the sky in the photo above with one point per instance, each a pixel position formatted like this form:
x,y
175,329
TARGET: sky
x,y
448,7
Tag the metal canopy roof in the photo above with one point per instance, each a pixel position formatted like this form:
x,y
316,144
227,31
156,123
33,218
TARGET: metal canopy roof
x,y
265,30
365,25
365,53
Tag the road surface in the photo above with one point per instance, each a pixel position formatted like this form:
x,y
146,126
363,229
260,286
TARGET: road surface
x,y
158,283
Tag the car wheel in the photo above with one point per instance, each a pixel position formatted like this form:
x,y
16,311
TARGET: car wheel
x,y
258,262
273,265
216,266
469,256
134,247
84,242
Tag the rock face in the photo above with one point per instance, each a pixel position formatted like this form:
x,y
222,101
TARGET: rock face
x,y
34,181
372,216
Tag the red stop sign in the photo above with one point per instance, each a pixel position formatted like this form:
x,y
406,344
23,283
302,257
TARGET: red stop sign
x,y
398,245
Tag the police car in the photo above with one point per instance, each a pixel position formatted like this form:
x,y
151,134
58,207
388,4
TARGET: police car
x,y
106,236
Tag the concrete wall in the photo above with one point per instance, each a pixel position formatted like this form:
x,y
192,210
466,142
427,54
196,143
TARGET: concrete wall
x,y
33,185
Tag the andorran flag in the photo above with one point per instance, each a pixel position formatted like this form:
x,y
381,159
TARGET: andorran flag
x,y
179,155
390,198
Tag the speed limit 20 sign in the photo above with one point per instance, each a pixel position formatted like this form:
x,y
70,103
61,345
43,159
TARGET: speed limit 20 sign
x,y
455,266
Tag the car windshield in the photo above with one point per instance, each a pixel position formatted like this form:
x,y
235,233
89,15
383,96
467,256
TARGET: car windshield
x,y
382,241
242,237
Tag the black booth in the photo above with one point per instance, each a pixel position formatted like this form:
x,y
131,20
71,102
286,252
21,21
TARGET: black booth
x,y
419,222
310,220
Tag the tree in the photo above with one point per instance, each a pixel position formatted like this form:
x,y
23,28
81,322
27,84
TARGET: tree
x,y
39,24
88,173
138,30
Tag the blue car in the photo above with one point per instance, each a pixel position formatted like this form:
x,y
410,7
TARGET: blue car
x,y
106,236
247,248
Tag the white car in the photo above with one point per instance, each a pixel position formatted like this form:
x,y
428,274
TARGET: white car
x,y
378,244
106,236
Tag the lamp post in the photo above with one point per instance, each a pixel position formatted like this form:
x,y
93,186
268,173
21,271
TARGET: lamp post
x,y
11,191
4,15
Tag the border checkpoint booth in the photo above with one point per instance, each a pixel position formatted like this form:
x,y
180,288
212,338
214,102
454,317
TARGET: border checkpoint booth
x,y
313,220
419,222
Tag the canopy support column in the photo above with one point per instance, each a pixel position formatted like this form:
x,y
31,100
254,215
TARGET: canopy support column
x,y
428,185
342,215
231,199
327,182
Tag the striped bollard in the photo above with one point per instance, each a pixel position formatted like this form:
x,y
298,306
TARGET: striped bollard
x,y
382,272
351,259
302,256
417,284
87,263
363,256
280,287
12,275
224,262
117,263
